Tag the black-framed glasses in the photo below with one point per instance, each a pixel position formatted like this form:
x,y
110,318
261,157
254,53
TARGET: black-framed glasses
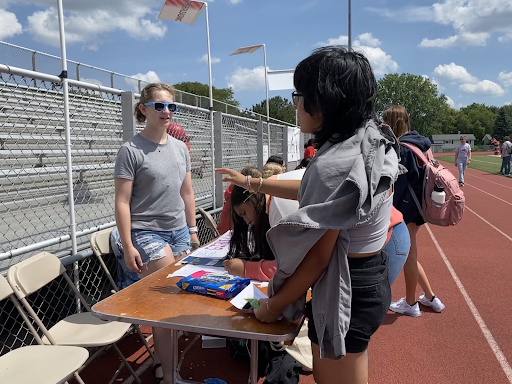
x,y
160,106
296,97
461,139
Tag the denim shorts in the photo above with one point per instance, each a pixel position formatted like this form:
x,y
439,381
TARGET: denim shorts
x,y
371,296
150,245
397,250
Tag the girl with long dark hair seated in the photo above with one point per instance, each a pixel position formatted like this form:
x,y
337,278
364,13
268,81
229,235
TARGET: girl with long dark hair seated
x,y
249,252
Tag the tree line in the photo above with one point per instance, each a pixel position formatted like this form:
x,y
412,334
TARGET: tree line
x,y
428,108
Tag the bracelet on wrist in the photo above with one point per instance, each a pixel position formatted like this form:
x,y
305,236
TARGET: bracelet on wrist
x,y
259,186
192,230
248,182
268,308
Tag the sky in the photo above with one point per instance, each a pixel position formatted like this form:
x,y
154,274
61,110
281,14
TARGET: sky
x,y
464,46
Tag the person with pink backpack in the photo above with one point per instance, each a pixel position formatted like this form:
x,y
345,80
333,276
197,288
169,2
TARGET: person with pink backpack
x,y
412,181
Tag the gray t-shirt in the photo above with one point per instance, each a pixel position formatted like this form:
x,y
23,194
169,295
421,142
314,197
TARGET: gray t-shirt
x,y
157,171
463,151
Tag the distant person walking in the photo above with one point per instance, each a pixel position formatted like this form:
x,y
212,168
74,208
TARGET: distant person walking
x,y
463,158
506,152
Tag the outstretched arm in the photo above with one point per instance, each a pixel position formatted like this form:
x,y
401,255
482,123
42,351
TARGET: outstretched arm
x,y
285,189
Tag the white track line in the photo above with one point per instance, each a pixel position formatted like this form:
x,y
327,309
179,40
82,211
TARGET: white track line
x,y
452,168
485,221
502,360
487,193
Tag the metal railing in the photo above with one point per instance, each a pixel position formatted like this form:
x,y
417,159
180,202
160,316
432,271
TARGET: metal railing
x,y
34,209
36,61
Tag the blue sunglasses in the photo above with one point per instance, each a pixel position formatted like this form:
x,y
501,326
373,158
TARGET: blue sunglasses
x,y
159,106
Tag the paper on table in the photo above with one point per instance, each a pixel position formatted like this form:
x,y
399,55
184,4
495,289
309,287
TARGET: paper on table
x,y
249,292
216,250
189,269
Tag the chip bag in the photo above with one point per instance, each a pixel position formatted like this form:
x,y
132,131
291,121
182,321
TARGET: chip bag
x,y
222,286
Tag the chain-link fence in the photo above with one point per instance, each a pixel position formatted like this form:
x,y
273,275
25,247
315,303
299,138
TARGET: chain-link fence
x,y
34,207
55,301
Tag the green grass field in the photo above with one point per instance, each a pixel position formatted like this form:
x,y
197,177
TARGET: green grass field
x,y
484,163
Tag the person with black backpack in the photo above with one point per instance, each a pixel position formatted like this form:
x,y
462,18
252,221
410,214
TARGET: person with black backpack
x,y
398,119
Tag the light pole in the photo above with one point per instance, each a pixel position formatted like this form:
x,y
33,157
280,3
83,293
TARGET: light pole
x,y
186,11
350,25
251,49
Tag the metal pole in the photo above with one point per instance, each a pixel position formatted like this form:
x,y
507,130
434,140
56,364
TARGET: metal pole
x,y
350,25
210,90
69,165
266,94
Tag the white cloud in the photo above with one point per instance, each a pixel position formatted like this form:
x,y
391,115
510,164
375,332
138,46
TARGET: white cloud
x,y
464,39
368,40
149,77
507,103
235,1
87,21
450,101
381,62
244,79
483,88
474,21
204,59
9,25
505,78
454,73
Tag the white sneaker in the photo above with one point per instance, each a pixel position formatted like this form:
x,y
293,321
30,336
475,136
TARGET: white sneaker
x,y
402,307
435,303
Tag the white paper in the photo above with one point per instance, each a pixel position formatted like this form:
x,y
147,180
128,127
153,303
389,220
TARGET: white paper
x,y
249,292
188,269
216,250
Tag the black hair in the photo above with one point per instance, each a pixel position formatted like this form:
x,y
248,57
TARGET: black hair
x,y
340,86
310,143
239,243
276,159
303,163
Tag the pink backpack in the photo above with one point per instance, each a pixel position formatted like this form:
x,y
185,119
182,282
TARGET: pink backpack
x,y
449,213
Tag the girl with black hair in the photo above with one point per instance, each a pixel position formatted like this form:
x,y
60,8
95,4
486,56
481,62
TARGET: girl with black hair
x,y
333,242
249,252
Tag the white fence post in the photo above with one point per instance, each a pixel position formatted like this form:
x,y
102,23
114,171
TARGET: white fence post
x,y
218,159
129,124
259,145
285,146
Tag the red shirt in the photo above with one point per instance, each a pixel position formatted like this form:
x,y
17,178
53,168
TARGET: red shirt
x,y
309,152
225,222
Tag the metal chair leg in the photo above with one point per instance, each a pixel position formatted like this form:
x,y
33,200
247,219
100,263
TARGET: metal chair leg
x,y
128,366
137,328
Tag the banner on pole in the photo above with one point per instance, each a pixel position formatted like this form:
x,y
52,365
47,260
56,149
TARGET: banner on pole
x,y
184,11
293,144
280,80
251,49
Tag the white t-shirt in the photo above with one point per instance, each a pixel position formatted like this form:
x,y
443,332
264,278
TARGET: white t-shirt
x,y
506,145
279,207
463,151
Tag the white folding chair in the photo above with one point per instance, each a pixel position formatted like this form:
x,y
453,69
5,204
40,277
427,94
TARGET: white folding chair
x,y
44,364
79,329
101,247
209,222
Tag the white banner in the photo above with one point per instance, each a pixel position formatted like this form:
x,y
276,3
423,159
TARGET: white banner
x,y
280,80
251,49
181,10
293,144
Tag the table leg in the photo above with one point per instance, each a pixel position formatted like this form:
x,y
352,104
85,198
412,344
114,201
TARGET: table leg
x,y
253,376
174,355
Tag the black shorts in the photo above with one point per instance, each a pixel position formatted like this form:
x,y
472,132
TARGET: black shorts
x,y
371,297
